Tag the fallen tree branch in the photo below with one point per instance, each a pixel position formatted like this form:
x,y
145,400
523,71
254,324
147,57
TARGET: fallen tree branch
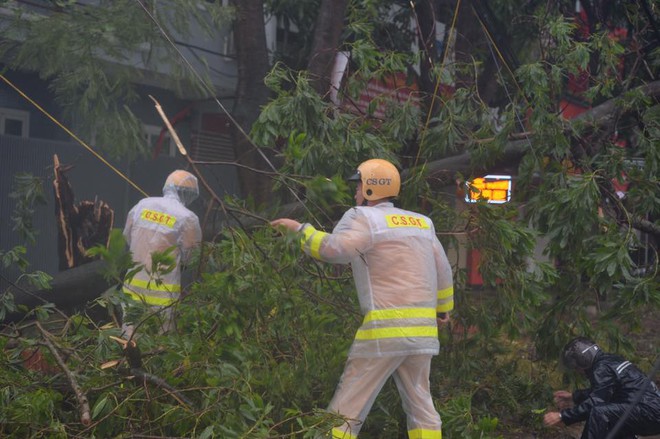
x,y
158,382
134,358
598,116
83,403
646,226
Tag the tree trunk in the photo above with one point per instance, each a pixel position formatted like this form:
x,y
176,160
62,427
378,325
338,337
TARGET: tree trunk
x,y
490,88
426,20
71,289
251,94
329,26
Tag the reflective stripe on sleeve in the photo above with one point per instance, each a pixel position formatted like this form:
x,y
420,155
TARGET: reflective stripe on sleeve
x,y
421,433
621,367
312,239
397,332
445,300
399,313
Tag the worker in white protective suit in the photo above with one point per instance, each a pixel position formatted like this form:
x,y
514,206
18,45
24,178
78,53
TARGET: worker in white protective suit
x,y
157,224
405,288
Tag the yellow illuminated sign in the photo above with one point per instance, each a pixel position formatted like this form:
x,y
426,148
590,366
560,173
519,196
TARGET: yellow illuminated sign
x,y
492,188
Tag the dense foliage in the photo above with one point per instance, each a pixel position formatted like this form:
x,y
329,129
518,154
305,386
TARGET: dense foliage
x,y
263,333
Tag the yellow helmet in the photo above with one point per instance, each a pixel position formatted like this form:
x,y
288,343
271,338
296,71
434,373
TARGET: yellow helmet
x,y
380,179
183,185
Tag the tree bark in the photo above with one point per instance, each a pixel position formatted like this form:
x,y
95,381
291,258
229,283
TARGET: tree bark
x,y
70,289
329,26
486,22
251,94
425,16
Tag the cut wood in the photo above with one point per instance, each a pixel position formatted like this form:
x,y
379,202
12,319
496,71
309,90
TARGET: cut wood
x,y
80,226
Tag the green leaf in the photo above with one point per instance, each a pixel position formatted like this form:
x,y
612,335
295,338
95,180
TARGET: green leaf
x,y
100,406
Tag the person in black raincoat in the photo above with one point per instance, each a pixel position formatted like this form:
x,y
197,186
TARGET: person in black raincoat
x,y
618,388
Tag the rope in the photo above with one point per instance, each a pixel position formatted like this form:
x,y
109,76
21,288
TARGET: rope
x,y
73,135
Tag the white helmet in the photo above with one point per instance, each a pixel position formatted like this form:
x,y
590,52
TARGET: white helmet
x,y
183,185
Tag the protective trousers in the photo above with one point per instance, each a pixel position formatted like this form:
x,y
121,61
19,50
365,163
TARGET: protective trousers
x,y
642,420
134,312
362,380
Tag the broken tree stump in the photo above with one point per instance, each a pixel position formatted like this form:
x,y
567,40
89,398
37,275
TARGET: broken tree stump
x,y
80,226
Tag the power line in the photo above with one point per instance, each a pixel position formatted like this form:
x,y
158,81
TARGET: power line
x,y
72,134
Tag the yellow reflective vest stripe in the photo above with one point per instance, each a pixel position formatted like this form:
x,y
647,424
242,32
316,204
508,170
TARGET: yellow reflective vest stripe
x,y
400,331
399,313
151,293
154,286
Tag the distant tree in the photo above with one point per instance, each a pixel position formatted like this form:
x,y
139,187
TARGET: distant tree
x,y
251,93
254,64
327,33
84,52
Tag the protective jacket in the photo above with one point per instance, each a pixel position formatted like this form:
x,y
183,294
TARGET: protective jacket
x,y
154,225
401,272
615,385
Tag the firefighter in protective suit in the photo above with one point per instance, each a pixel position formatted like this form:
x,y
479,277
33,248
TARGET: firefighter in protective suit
x,y
616,385
157,224
404,285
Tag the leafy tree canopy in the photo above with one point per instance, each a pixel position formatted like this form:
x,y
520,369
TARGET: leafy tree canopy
x,y
262,336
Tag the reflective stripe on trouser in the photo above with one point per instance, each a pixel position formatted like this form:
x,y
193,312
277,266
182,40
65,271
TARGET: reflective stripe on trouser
x,y
338,433
156,296
134,311
362,380
151,293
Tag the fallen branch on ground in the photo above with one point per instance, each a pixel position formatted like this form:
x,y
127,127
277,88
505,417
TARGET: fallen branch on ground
x,y
83,403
